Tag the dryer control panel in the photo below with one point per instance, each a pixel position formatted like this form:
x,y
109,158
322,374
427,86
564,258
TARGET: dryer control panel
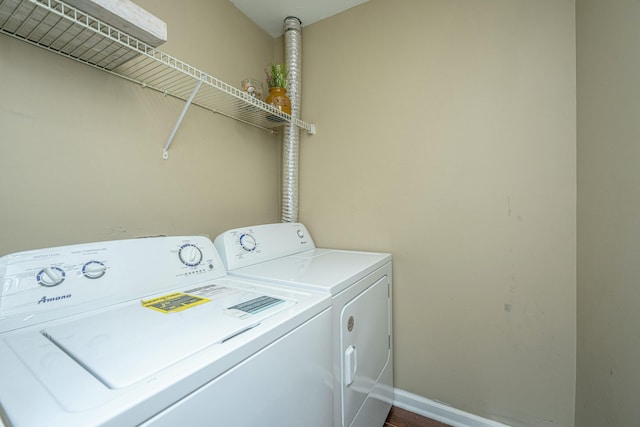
x,y
47,283
242,247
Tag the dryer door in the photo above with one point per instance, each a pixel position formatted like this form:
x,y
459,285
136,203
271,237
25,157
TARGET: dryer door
x,y
364,344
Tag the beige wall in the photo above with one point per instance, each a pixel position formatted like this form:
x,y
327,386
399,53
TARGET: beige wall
x,y
446,135
608,213
82,150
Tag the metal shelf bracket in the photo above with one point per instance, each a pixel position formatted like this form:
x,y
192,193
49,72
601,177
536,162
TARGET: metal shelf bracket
x,y
165,150
312,129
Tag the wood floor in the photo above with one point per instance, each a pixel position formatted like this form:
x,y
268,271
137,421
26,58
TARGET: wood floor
x,y
399,417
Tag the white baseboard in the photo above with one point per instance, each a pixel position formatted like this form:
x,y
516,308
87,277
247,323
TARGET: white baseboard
x,y
439,411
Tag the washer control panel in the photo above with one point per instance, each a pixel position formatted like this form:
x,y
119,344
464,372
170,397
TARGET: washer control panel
x,y
242,247
80,277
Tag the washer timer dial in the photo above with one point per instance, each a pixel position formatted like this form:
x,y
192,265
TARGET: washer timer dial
x,y
94,270
51,276
190,255
248,242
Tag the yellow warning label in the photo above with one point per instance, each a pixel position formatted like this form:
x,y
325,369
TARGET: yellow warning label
x,y
173,302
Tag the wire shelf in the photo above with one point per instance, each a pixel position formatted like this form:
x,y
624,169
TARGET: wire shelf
x,y
63,29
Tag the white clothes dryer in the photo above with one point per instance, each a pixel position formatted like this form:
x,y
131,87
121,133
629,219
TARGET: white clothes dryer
x,y
360,285
152,332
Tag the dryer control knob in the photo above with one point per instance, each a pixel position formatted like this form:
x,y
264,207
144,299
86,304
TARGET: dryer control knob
x,y
248,242
51,276
94,270
190,255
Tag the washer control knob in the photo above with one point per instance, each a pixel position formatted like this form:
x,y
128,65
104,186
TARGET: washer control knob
x,y
51,276
94,270
248,242
190,255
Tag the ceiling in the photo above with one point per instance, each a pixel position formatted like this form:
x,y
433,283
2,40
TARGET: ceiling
x,y
270,14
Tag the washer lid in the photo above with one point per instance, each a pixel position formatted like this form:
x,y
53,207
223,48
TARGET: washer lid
x,y
326,270
130,343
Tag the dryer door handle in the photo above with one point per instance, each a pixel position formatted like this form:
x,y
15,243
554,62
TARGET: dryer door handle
x,y
350,364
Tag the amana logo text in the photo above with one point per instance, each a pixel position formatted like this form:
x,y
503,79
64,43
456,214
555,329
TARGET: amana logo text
x,y
44,299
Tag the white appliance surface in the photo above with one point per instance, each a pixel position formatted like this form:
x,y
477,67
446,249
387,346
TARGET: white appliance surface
x,y
328,270
285,253
132,331
360,284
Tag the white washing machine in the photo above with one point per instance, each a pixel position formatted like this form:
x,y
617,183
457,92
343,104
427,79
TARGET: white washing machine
x,y
152,332
360,286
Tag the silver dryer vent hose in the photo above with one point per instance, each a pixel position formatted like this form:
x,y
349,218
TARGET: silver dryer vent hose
x,y
291,136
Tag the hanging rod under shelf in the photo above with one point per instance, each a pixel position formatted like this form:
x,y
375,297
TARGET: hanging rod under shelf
x,y
63,29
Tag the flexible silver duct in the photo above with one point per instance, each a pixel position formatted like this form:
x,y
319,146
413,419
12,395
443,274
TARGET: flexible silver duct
x,y
291,138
